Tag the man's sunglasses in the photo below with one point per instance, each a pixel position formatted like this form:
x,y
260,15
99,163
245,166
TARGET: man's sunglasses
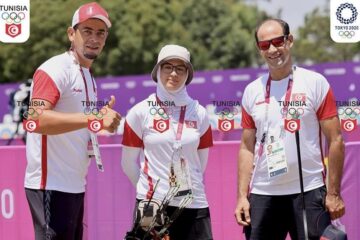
x,y
276,42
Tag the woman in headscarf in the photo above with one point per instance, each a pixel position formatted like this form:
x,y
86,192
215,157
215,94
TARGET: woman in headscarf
x,y
172,134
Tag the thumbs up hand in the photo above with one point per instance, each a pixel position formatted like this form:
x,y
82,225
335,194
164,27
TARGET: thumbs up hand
x,y
111,102
111,119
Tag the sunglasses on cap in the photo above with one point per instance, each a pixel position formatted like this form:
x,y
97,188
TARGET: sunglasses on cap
x,y
276,42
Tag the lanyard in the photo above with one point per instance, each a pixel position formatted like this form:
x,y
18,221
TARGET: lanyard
x,y
181,119
267,102
287,96
93,138
86,88
181,123
84,79
179,176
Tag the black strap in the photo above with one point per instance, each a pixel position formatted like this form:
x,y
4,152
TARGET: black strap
x,y
297,137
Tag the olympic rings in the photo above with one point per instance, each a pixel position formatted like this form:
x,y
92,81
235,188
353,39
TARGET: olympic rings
x,y
9,21
87,111
6,14
17,20
164,114
98,113
13,17
349,112
21,15
161,111
95,111
227,112
346,34
153,111
357,110
293,112
33,112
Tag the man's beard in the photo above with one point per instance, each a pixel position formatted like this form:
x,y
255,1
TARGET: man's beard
x,y
90,56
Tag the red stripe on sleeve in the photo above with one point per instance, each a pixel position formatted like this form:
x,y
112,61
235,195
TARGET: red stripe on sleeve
x,y
150,181
247,121
327,108
43,161
322,155
45,88
130,138
206,139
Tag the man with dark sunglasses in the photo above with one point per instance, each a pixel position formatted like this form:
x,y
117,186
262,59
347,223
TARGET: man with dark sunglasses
x,y
269,203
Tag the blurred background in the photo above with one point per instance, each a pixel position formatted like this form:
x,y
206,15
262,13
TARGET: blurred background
x,y
220,36
218,33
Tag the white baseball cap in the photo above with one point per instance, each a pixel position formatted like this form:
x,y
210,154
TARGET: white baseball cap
x,y
90,10
174,52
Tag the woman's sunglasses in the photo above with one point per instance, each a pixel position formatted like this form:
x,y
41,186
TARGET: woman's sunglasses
x,y
276,42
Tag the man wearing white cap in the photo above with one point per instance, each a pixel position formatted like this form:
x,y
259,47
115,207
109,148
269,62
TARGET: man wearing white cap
x,y
172,134
57,149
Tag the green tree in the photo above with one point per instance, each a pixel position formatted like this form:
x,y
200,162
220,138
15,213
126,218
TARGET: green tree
x,y
49,21
218,33
221,33
314,44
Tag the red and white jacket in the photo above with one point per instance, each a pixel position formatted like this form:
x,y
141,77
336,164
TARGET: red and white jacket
x,y
143,129
310,88
60,162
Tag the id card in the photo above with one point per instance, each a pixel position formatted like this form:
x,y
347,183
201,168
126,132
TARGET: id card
x,y
180,175
276,159
90,150
181,169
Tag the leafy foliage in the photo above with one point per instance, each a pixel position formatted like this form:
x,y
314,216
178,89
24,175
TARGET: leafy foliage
x,y
314,43
218,34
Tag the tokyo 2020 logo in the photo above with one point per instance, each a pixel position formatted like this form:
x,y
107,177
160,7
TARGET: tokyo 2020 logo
x,y
340,13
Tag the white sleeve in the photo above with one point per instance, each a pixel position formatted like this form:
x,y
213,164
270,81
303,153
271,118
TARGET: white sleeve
x,y
203,156
129,163
245,99
322,89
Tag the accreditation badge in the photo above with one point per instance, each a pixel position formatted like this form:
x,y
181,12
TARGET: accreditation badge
x,y
276,159
180,174
90,149
94,151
